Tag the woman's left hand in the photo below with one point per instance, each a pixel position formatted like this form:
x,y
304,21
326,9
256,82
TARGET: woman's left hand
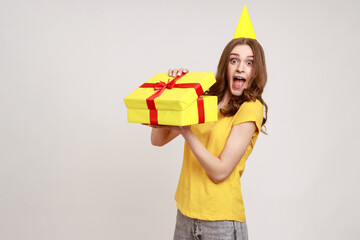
x,y
177,72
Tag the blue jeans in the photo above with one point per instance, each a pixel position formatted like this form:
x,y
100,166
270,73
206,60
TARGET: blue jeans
x,y
194,229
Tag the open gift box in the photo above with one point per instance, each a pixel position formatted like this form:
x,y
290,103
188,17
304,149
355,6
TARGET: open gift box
x,y
165,100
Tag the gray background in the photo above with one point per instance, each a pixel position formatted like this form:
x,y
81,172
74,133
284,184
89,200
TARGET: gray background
x,y
71,167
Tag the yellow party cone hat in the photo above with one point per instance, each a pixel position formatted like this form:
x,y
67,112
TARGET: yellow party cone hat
x,y
244,27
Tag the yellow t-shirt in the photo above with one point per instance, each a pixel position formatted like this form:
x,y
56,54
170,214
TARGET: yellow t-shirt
x,y
197,195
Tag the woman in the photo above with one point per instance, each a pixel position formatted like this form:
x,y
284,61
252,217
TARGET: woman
x,y
208,196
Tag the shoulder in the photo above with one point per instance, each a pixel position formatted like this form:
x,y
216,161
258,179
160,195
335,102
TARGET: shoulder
x,y
251,111
251,106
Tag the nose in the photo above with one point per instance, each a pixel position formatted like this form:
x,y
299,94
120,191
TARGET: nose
x,y
241,67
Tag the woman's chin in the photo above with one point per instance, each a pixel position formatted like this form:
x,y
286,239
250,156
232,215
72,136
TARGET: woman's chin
x,y
237,92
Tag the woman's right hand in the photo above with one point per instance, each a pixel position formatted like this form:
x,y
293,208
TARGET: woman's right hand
x,y
177,72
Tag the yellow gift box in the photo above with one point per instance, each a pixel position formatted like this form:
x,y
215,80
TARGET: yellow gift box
x,y
176,101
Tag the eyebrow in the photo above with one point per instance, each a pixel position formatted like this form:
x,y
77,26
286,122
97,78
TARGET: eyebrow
x,y
239,55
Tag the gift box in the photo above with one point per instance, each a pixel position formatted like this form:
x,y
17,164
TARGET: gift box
x,y
176,101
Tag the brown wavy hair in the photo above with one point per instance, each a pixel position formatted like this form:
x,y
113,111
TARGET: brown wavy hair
x,y
257,83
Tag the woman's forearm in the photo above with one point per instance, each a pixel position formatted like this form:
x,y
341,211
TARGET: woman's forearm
x,y
158,136
161,136
211,164
219,168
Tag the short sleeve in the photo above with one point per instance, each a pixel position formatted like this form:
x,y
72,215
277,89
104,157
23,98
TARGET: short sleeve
x,y
250,112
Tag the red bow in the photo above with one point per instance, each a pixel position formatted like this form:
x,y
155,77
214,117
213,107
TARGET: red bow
x,y
162,85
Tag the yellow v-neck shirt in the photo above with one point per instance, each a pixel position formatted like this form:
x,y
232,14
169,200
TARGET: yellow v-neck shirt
x,y
197,196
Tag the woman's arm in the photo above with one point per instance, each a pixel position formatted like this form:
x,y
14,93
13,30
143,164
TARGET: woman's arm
x,y
161,136
218,169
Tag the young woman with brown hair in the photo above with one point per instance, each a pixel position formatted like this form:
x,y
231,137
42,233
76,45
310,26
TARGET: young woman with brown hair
x,y
209,199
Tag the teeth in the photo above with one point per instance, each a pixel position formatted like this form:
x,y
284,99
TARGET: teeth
x,y
239,78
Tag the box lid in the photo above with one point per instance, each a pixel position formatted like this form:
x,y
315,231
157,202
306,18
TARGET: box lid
x,y
177,95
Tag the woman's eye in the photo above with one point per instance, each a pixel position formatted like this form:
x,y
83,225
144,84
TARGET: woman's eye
x,y
249,62
233,60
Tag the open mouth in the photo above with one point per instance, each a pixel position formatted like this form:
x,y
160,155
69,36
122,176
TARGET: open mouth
x,y
238,82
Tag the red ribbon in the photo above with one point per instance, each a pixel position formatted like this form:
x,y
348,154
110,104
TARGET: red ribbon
x,y
201,110
160,88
